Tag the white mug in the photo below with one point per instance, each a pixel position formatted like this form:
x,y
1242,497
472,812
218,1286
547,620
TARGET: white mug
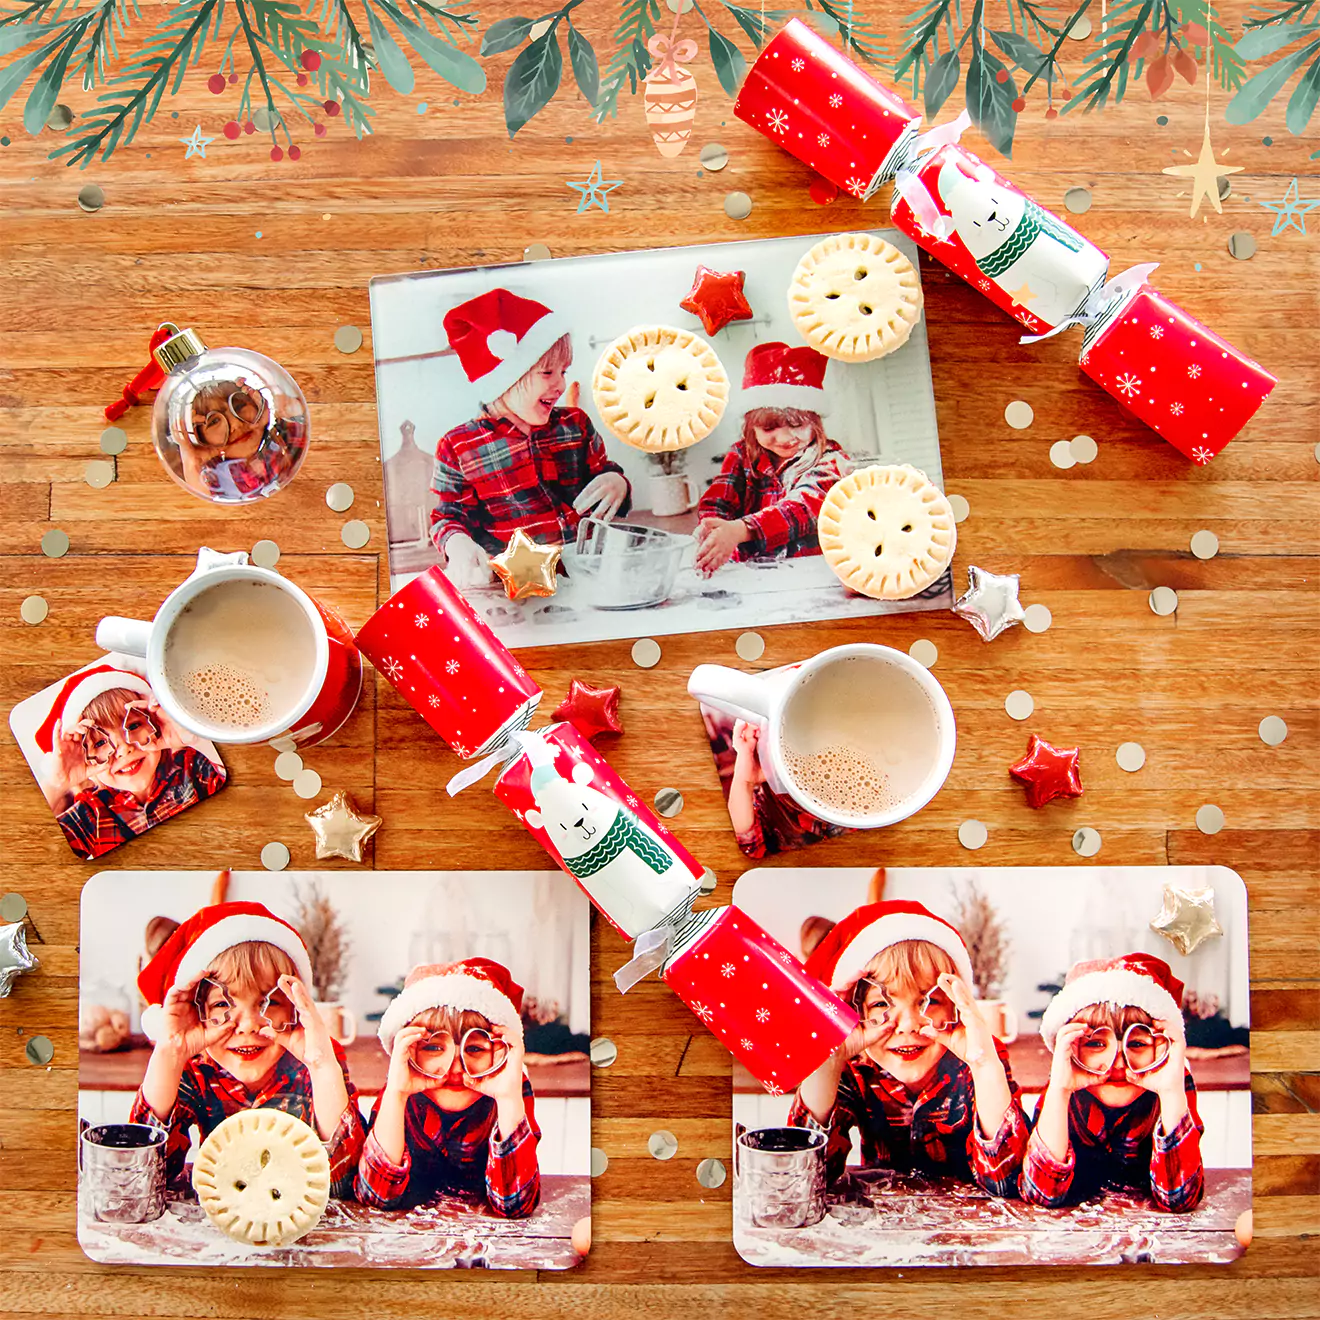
x,y
673,493
762,699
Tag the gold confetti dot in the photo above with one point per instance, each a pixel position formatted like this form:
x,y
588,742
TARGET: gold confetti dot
x,y
60,118
536,252
91,197
750,646
1083,448
288,765
275,856
737,206
1205,544
348,339
1130,756
1241,245
599,1161
709,881
1164,600
972,835
40,1051
1272,730
1061,454
340,497
1077,200
646,653
714,157
1209,819
1019,704
34,610
13,907
99,473
603,1052
1081,29
1037,618
113,441
711,1173
307,783
1086,842
1019,414
663,1145
55,543
668,802
924,652
961,509
265,554
355,534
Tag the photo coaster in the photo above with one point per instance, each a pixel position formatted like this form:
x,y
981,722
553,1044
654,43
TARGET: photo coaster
x,y
111,764
467,963
895,1174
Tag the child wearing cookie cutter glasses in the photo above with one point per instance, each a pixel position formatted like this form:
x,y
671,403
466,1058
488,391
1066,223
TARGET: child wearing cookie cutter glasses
x,y
456,1113
1120,1107
922,1078
233,1027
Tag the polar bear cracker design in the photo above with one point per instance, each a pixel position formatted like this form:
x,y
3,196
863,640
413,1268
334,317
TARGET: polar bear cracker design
x,y
627,870
1014,242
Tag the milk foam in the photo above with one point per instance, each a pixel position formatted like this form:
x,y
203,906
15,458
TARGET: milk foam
x,y
845,779
223,694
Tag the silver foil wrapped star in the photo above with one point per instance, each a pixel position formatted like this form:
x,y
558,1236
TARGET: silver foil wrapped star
x,y
14,956
1187,917
990,603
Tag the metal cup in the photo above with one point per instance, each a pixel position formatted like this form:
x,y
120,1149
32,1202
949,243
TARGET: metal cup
x,y
122,1168
781,1175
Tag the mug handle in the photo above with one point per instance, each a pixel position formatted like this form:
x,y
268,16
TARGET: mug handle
x,y
347,1025
1010,1026
127,636
694,495
738,1130
744,696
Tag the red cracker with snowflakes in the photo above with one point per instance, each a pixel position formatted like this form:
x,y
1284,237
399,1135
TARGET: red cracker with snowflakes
x,y
448,666
756,997
1187,384
826,110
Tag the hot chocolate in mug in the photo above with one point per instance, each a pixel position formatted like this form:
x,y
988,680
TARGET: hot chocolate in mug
x,y
238,654
860,736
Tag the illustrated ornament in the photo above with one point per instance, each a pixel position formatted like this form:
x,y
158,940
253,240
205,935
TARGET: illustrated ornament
x,y
1048,772
526,567
1187,917
670,100
340,829
717,298
14,956
1204,173
990,603
591,710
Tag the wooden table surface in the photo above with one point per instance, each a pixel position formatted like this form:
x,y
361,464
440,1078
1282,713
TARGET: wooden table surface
x,y
81,294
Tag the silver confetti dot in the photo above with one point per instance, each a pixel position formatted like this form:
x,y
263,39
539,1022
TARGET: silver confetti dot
x,y
355,534
663,1145
265,554
1209,819
266,118
340,497
709,881
1205,544
749,646
1164,600
13,907
679,6
646,653
536,252
1086,842
40,1051
55,543
1084,448
668,802
91,197
60,118
599,1161
1061,454
348,339
1272,731
714,157
960,508
1078,200
711,1173
288,765
972,835
113,441
99,473
603,1052
1081,29
33,610
1241,245
283,743
1019,414
1130,756
1019,704
1037,618
737,206
307,783
274,856
924,652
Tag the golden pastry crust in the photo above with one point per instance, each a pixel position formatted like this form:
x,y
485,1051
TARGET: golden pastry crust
x,y
659,388
855,297
887,531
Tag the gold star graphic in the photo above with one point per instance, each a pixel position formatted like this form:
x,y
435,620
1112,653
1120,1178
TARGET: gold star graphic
x,y
1205,173
1022,296
340,829
526,567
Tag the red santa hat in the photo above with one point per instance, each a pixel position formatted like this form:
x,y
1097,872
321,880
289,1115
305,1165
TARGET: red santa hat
x,y
480,985
777,376
80,690
200,940
1136,980
499,337
841,957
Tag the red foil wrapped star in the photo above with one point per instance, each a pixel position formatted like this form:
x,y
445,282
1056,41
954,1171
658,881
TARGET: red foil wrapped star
x,y
1048,772
590,710
717,297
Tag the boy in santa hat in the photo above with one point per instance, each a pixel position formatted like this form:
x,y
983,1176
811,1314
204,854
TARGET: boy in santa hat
x,y
765,501
233,1027
921,1077
456,1113
523,462
113,763
1120,1107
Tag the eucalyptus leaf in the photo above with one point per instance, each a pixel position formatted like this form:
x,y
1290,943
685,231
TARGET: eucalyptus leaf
x,y
16,74
1256,43
505,35
941,79
533,78
390,59
1256,93
730,66
1020,51
41,100
585,68
456,67
990,102
1301,106
13,38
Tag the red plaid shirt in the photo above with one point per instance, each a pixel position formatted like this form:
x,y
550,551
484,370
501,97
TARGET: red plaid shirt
x,y
782,519
455,1152
208,1095
99,819
936,1133
1124,1148
492,479
778,824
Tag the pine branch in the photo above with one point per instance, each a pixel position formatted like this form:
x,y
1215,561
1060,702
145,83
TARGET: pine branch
x,y
631,61
865,41
336,19
1051,63
1108,63
1291,10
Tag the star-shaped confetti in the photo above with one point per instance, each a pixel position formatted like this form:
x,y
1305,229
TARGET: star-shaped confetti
x,y
14,956
990,603
595,190
1023,295
340,829
1048,772
1204,173
590,709
717,297
1291,212
1187,917
196,144
526,567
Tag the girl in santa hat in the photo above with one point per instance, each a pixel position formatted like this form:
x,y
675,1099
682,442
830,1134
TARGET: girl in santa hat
x,y
523,462
765,501
1120,1107
921,1077
456,1113
113,763
234,1027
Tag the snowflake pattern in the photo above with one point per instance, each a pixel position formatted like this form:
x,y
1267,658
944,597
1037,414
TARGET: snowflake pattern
x,y
1201,455
746,1044
422,620
772,1089
786,958
1157,332
393,669
1194,370
1176,409
451,666
632,801
1129,385
460,751
799,65
763,1015
984,285
836,101
778,121
433,701
727,970
702,1011
855,186
823,139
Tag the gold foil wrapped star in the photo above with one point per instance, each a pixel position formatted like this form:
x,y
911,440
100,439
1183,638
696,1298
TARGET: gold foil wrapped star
x,y
340,829
1187,917
526,567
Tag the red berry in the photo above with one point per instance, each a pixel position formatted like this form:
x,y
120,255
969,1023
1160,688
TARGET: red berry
x,y
295,153
233,78
332,108
277,153
1019,105
249,127
1001,75
320,130
311,60
1051,113
216,82
302,80
232,129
